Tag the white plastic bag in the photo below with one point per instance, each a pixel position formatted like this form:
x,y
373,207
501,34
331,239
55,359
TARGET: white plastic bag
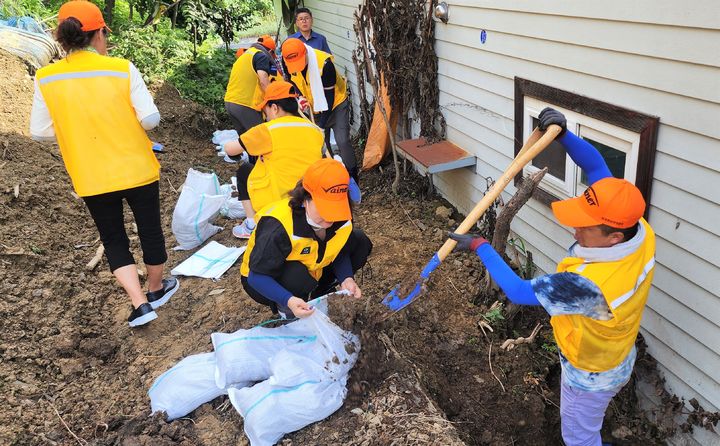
x,y
197,207
186,386
245,354
210,262
232,207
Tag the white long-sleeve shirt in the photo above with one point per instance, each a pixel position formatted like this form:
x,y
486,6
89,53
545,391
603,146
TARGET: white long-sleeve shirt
x,y
41,124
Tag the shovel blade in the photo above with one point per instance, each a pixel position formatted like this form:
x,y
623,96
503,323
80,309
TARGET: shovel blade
x,y
396,302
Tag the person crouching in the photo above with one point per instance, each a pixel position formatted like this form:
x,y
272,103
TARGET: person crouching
x,y
304,246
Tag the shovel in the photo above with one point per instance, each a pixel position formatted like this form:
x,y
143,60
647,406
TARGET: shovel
x,y
405,293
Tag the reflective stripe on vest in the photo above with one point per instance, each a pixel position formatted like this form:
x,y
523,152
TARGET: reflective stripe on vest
x,y
244,85
303,249
103,146
296,144
340,84
594,345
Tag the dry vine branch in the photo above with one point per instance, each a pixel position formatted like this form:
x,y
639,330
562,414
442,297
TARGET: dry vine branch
x,y
361,32
510,344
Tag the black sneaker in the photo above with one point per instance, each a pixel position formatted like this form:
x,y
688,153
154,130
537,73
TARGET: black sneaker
x,y
142,315
160,297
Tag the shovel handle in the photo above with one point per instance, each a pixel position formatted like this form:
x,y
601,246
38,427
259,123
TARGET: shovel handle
x,y
536,143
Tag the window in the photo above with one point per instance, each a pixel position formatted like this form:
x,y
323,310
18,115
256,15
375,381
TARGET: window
x,y
626,139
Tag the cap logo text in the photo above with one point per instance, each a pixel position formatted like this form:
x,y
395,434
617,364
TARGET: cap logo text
x,y
590,197
336,189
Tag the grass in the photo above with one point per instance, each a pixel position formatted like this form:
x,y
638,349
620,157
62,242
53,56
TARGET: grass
x,y
267,25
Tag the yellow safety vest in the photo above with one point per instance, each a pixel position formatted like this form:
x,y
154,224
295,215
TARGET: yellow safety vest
x,y
295,144
244,86
304,85
304,249
103,145
594,345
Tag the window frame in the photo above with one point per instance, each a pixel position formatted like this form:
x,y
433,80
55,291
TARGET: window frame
x,y
599,112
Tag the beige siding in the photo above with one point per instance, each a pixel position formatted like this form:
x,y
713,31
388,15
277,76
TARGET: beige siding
x,y
660,58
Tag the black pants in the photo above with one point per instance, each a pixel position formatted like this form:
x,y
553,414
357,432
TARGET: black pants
x,y
296,278
242,175
339,123
243,119
107,212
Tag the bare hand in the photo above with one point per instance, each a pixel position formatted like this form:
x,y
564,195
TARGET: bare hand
x,y
350,285
299,307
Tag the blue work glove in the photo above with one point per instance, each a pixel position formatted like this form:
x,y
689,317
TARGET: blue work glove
x,y
549,116
467,242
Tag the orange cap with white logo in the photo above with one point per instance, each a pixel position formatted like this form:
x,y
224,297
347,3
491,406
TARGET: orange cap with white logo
x,y
294,54
327,181
88,14
611,201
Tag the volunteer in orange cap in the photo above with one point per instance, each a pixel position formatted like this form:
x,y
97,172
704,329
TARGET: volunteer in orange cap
x,y
597,296
305,246
325,92
249,77
98,108
285,147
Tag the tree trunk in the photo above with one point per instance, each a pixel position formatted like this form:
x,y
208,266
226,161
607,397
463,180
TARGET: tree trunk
x,y
502,230
109,9
175,13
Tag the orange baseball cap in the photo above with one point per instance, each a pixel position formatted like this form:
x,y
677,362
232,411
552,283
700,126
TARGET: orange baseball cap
x,y
294,54
278,90
611,201
239,52
327,181
88,14
267,41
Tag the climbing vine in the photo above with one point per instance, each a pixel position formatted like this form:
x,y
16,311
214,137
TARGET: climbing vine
x,y
401,34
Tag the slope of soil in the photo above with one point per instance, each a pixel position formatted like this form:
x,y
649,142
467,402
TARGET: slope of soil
x,y
72,372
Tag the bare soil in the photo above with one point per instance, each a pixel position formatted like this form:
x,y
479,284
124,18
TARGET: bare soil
x,y
73,372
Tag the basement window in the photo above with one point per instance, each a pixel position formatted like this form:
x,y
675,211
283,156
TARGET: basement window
x,y
625,138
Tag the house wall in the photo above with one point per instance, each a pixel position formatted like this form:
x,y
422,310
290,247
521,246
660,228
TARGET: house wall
x,y
656,57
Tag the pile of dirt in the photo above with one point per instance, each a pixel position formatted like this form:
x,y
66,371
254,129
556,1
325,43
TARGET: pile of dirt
x,y
72,371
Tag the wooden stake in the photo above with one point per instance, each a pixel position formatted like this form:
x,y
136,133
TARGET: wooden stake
x,y
96,259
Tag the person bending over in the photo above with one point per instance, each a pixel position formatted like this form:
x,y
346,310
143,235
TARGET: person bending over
x,y
284,147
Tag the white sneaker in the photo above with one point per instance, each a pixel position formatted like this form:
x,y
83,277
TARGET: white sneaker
x,y
242,231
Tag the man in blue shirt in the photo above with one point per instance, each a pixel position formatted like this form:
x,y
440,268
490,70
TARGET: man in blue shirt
x,y
304,22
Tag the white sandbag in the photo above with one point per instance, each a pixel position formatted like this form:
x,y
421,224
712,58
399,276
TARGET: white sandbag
x,y
197,207
271,409
245,354
186,386
210,262
306,383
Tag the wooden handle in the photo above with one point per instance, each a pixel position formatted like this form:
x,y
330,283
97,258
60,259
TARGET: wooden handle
x,y
536,143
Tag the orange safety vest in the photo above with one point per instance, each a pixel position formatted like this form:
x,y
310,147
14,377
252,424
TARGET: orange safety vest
x,y
103,145
304,86
304,249
594,345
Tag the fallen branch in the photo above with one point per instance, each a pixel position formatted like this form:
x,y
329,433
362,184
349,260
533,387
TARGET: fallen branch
x,y
79,440
491,369
96,259
510,344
